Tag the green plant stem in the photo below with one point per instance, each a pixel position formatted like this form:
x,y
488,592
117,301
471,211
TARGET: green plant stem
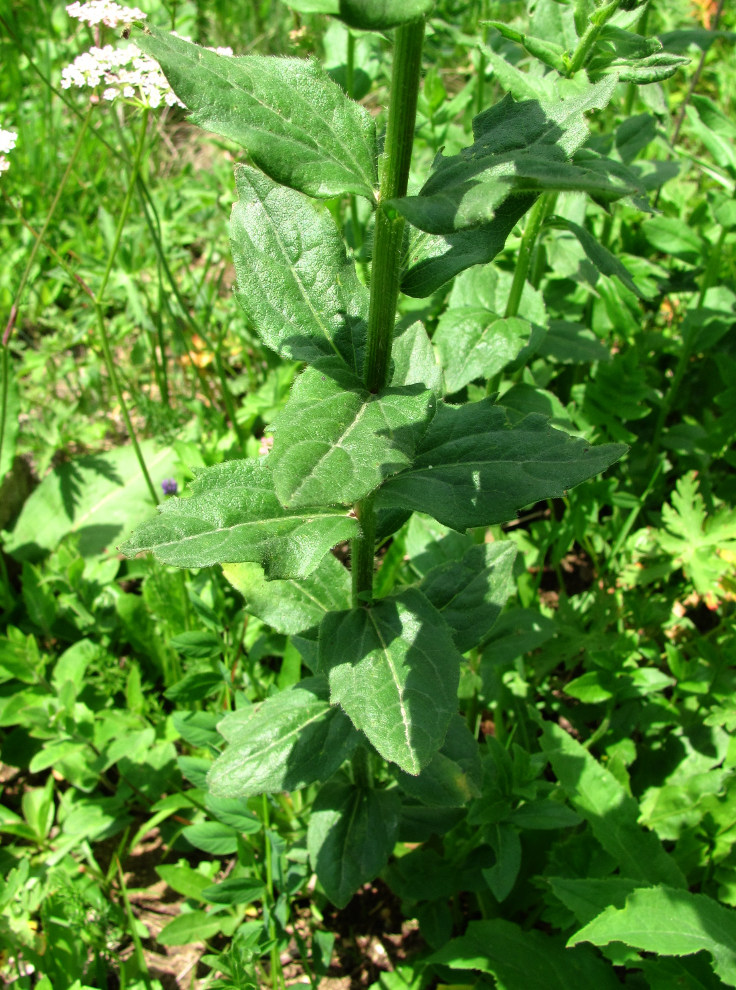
x,y
104,337
710,276
138,953
362,560
386,270
390,225
534,223
361,767
482,62
590,36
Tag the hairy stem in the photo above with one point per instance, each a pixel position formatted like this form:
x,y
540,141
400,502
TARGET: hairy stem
x,y
386,269
531,232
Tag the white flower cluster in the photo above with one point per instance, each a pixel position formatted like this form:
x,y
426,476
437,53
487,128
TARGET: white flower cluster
x,y
104,12
125,72
7,143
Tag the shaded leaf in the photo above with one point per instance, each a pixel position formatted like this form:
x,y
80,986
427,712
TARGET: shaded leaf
x,y
394,670
520,147
524,960
367,15
453,776
234,890
351,834
600,256
233,515
97,497
433,260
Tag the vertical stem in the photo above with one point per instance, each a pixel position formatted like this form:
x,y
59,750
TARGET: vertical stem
x,y
531,231
363,550
590,36
394,178
104,338
386,271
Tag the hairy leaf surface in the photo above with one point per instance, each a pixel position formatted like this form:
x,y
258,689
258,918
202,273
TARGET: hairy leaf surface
x,y
295,281
296,604
233,515
296,124
394,669
477,464
288,741
335,441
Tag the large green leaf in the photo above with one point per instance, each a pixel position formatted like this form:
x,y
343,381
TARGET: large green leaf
x,y
612,813
98,497
478,463
434,259
296,124
471,592
669,922
352,832
233,515
295,282
520,147
367,15
296,604
394,669
290,740
453,776
472,336
524,960
335,441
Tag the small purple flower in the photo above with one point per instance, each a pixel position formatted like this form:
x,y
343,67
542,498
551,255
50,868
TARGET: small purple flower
x,y
169,486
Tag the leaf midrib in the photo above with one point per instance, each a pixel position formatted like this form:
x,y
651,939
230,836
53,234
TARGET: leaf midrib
x,y
306,140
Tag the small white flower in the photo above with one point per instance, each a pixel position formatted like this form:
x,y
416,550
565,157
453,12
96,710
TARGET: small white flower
x,y
7,143
104,12
125,72
7,140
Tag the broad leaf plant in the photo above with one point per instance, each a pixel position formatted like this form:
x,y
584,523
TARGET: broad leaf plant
x,y
376,428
